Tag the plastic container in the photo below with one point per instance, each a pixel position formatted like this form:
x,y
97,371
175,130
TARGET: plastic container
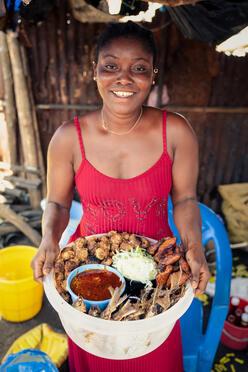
x,y
116,339
101,304
76,213
28,360
21,296
233,336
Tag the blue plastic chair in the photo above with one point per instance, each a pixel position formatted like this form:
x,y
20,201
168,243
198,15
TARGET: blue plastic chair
x,y
199,348
76,213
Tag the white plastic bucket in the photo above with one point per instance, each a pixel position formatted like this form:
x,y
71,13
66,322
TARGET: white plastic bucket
x,y
76,213
116,339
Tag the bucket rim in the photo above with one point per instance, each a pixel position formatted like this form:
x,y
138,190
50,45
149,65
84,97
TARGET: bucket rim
x,y
62,308
13,248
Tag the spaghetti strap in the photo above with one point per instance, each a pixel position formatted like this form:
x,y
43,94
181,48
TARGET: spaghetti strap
x,y
164,131
79,136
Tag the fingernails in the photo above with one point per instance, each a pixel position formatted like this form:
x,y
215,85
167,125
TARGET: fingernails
x,y
194,284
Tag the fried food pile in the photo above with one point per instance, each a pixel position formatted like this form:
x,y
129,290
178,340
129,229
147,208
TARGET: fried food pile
x,y
173,272
172,265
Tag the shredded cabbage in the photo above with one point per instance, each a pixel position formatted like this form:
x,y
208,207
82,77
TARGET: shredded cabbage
x,y
136,265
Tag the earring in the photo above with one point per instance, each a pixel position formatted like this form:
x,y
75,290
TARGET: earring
x,y
155,70
153,83
94,78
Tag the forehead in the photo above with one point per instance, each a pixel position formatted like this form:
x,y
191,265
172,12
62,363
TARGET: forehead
x,y
127,48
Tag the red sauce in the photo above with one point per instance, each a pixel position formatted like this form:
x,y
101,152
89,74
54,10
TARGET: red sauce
x,y
93,284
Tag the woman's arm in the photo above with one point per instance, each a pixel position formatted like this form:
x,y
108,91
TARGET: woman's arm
x,y
60,182
186,212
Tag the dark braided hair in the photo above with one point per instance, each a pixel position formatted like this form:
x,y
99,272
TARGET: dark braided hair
x,y
129,30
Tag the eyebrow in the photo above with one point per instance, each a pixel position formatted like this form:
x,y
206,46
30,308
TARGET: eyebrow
x,y
109,55
115,57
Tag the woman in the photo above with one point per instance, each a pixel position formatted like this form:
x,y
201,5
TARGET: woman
x,y
125,159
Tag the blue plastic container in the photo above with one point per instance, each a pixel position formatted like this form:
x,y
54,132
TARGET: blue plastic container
x,y
28,360
101,304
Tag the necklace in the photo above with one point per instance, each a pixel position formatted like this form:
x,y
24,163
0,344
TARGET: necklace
x,y
121,134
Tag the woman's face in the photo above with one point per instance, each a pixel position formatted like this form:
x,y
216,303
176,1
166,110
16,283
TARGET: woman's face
x,y
124,73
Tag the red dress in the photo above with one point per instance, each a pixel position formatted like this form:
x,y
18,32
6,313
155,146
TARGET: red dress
x,y
136,205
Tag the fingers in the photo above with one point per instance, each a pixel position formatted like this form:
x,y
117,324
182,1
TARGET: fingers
x,y
204,278
49,261
195,271
37,266
42,263
200,272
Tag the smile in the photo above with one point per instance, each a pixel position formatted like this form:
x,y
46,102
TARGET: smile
x,y
123,94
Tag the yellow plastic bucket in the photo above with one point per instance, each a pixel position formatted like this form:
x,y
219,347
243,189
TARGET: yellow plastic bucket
x,y
20,295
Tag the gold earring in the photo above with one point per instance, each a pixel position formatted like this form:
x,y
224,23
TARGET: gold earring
x,y
155,70
153,83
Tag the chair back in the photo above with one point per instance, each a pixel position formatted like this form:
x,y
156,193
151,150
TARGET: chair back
x,y
199,348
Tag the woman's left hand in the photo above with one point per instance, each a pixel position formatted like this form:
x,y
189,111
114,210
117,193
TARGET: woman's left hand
x,y
199,269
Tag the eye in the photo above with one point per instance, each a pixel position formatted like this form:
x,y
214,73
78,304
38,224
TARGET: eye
x,y
140,68
110,66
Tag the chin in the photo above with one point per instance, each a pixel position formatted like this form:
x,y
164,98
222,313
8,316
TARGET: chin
x,y
122,106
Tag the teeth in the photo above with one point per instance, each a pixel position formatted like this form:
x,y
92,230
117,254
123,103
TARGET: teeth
x,y
123,94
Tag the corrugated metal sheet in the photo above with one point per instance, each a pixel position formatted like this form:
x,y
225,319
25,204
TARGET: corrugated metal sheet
x,y
60,65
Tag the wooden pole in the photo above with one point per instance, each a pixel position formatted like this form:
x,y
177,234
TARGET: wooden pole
x,y
209,109
173,2
201,109
161,67
35,124
24,112
9,215
18,168
9,228
9,98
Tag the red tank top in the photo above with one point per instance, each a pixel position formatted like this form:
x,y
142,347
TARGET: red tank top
x,y
135,205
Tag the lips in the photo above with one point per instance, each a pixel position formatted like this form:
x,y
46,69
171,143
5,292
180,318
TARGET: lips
x,y
123,94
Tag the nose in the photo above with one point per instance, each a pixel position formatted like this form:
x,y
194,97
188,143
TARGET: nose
x,y
124,77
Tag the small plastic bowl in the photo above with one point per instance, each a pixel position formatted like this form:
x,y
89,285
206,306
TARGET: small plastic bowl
x,y
88,303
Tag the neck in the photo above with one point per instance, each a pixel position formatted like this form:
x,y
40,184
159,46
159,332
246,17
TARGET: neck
x,y
118,121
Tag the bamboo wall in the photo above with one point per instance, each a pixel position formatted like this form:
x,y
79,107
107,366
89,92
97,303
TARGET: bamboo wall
x,y
196,76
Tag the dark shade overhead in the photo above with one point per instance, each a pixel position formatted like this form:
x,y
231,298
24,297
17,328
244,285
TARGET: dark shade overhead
x,y
211,21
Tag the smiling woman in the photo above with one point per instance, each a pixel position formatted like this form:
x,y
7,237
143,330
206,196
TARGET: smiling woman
x,y
124,74
125,159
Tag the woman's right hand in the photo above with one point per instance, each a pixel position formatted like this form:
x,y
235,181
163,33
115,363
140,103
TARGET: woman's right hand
x,y
43,261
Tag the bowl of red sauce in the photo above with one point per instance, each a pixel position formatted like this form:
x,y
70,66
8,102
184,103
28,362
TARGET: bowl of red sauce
x,y
92,282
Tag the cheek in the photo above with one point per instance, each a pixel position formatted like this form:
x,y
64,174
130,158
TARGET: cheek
x,y
144,84
104,80
102,86
105,75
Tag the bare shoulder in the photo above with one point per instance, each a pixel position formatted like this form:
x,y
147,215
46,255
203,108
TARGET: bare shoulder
x,y
62,144
66,133
179,129
63,133
154,116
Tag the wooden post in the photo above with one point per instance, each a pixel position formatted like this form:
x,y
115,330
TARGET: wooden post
x,y
9,215
24,112
41,165
9,98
